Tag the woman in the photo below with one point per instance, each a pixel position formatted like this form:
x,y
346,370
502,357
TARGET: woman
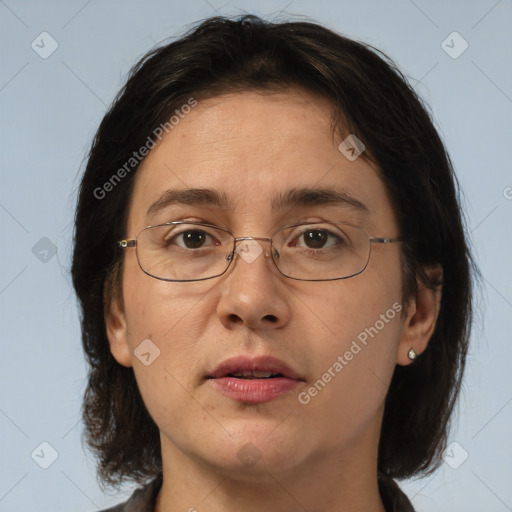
x,y
274,277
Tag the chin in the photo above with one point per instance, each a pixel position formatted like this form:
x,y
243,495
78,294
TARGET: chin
x,y
255,450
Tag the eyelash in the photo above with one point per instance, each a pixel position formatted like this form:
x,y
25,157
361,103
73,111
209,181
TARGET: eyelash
x,y
173,237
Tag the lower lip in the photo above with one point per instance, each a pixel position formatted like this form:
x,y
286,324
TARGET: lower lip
x,y
254,391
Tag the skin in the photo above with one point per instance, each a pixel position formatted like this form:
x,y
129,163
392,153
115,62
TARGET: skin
x,y
316,457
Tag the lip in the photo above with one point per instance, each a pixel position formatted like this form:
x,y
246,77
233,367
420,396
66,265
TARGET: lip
x,y
255,390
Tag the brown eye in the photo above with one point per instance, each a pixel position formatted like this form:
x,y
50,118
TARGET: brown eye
x,y
194,239
190,239
315,239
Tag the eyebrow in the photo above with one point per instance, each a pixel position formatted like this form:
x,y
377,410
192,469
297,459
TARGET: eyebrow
x,y
315,197
189,196
305,196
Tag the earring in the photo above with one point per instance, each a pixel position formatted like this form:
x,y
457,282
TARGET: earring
x,y
412,354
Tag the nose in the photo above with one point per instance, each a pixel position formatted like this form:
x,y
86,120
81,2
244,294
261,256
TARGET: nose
x,y
253,292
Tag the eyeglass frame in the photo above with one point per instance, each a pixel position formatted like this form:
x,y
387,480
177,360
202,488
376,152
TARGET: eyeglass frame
x,y
128,243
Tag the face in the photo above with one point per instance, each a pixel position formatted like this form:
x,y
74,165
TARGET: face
x,y
336,343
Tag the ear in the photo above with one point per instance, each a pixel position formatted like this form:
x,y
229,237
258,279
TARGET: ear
x,y
420,322
115,322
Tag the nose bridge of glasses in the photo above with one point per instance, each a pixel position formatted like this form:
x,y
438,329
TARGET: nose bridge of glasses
x,y
252,238
256,239
244,253
248,238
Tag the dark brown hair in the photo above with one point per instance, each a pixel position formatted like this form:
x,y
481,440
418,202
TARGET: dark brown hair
x,y
371,99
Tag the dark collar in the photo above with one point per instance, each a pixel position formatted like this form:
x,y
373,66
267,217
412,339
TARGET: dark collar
x,y
144,499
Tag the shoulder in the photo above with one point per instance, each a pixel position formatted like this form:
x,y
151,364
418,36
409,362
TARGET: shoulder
x,y
143,499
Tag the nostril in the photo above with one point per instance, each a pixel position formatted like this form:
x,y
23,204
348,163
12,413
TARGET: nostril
x,y
235,318
270,318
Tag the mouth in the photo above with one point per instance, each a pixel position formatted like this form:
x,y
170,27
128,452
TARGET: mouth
x,y
254,380
254,374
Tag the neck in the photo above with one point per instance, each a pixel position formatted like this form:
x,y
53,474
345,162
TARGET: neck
x,y
339,482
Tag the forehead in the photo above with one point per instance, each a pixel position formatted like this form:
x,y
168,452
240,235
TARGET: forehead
x,y
252,148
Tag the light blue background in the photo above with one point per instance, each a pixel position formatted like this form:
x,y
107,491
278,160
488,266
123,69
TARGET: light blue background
x,y
50,110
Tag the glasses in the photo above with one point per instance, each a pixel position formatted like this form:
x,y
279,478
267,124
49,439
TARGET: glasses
x,y
192,251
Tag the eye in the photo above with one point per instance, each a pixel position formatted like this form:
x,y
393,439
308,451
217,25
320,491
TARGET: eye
x,y
318,238
191,239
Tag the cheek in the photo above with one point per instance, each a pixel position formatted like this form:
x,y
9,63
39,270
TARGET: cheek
x,y
352,374
162,321
344,309
363,326
355,361
160,310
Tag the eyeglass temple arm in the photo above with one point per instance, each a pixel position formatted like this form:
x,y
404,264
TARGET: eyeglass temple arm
x,y
386,240
126,243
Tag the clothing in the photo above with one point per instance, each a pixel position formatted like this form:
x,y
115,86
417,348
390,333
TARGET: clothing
x,y
144,499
